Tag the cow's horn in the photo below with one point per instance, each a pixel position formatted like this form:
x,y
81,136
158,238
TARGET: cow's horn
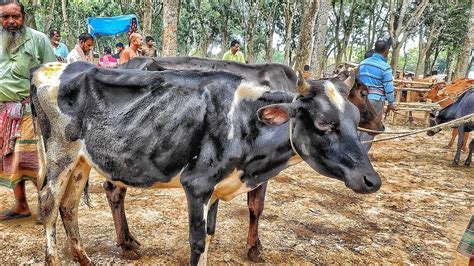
x,y
350,80
302,84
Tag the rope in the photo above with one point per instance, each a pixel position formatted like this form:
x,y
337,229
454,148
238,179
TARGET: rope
x,y
455,122
290,131
382,132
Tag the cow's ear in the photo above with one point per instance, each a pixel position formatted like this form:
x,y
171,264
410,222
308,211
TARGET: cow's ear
x,y
275,114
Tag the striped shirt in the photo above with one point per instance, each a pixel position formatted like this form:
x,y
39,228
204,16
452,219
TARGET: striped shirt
x,y
377,76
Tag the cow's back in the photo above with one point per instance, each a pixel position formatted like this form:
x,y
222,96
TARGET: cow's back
x,y
137,127
275,76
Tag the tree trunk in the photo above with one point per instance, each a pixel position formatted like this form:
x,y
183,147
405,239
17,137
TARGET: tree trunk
x,y
319,54
449,65
369,28
349,57
66,24
270,15
225,36
400,28
468,44
147,17
269,46
426,64
49,17
170,27
425,49
421,55
435,57
339,17
289,13
306,30
251,57
395,57
30,18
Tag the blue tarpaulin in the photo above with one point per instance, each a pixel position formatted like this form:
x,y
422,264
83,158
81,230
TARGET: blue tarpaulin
x,y
110,25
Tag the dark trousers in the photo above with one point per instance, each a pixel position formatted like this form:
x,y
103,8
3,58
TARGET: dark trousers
x,y
378,106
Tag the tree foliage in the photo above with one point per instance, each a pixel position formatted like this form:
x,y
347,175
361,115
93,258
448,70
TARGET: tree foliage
x,y
269,30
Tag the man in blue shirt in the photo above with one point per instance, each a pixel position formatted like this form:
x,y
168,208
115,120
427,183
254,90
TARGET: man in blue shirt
x,y
60,49
376,74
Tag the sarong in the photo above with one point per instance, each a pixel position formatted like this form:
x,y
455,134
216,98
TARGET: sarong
x,y
18,158
466,245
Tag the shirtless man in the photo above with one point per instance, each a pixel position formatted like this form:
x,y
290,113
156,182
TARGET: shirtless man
x,y
136,41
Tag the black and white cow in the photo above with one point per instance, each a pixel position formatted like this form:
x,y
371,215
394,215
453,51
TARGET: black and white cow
x,y
275,76
463,106
214,134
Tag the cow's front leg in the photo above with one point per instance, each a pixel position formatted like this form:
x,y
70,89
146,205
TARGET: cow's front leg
x,y
68,210
210,229
457,157
125,240
255,202
453,138
469,155
198,208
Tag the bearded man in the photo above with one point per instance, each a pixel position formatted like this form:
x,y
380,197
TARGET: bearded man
x,y
22,49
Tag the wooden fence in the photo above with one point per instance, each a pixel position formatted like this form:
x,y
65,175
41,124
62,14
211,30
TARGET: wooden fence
x,y
409,101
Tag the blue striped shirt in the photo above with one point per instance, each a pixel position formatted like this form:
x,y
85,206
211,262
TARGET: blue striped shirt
x,y
377,76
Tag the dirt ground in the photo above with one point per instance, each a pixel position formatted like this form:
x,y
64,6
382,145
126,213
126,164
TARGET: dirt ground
x,y
417,217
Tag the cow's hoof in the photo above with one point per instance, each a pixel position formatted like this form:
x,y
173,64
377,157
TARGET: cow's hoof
x,y
455,163
131,254
467,164
52,260
254,255
85,261
254,252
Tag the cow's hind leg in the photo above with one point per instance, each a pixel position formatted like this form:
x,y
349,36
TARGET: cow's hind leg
x,y
466,138
457,157
469,156
125,240
69,208
50,197
255,202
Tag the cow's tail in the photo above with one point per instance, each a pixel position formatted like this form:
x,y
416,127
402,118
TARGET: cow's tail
x,y
87,198
40,146
45,196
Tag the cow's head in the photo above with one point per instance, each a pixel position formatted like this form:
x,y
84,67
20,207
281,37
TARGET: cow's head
x,y
434,120
358,95
436,93
323,127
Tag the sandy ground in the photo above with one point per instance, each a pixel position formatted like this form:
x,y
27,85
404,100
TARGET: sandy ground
x,y
417,217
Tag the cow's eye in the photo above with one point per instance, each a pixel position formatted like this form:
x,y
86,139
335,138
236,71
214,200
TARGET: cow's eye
x,y
363,93
323,125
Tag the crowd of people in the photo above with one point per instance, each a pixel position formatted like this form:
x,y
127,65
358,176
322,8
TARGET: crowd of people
x,y
82,50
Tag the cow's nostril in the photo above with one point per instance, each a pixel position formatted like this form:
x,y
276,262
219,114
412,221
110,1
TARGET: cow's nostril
x,y
368,183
